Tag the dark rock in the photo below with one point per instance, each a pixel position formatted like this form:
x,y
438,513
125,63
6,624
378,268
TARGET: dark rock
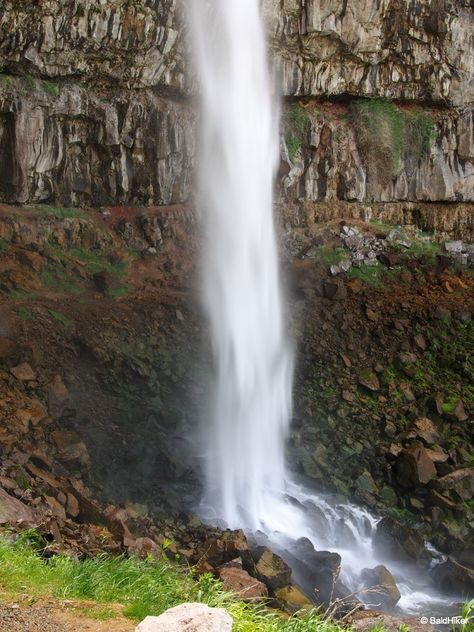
x,y
105,281
460,482
383,588
217,550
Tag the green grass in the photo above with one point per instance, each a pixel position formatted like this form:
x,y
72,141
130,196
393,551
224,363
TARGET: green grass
x,y
96,261
56,278
60,212
331,256
372,275
144,587
30,83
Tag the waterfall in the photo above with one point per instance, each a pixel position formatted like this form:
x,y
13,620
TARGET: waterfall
x,y
250,408
251,404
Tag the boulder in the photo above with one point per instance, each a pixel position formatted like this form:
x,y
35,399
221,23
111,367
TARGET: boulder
x,y
414,467
238,581
453,577
188,617
270,568
292,599
383,588
369,379
144,547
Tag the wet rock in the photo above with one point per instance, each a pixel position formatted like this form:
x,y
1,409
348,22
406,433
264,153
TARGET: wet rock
x,y
23,372
426,430
188,617
292,599
396,540
414,467
270,568
384,591
453,577
317,571
246,587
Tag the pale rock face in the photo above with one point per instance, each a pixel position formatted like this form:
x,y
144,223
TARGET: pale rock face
x,y
96,98
188,617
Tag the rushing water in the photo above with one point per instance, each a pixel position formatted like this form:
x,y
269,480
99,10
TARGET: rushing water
x,y
251,404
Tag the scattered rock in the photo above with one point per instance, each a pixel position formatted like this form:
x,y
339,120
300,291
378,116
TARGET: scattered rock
x,y
70,447
453,246
460,482
246,587
426,430
188,617
13,511
334,289
414,467
23,372
369,379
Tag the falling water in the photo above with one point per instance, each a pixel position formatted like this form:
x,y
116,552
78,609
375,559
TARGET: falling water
x,y
251,405
251,408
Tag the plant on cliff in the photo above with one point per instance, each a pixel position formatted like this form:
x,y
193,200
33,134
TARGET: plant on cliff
x,y
380,130
297,127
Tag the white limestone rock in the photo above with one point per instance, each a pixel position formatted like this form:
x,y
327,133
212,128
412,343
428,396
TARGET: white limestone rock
x,y
188,617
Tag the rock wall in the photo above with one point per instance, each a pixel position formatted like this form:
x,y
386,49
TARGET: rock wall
x,y
96,100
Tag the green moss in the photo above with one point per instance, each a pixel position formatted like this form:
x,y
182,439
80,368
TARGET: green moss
x,y
57,278
5,80
97,261
420,133
372,275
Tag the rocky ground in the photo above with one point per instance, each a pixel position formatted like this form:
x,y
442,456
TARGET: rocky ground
x,y
103,373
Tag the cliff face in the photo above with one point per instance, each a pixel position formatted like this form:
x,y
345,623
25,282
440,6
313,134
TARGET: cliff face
x,y
96,101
